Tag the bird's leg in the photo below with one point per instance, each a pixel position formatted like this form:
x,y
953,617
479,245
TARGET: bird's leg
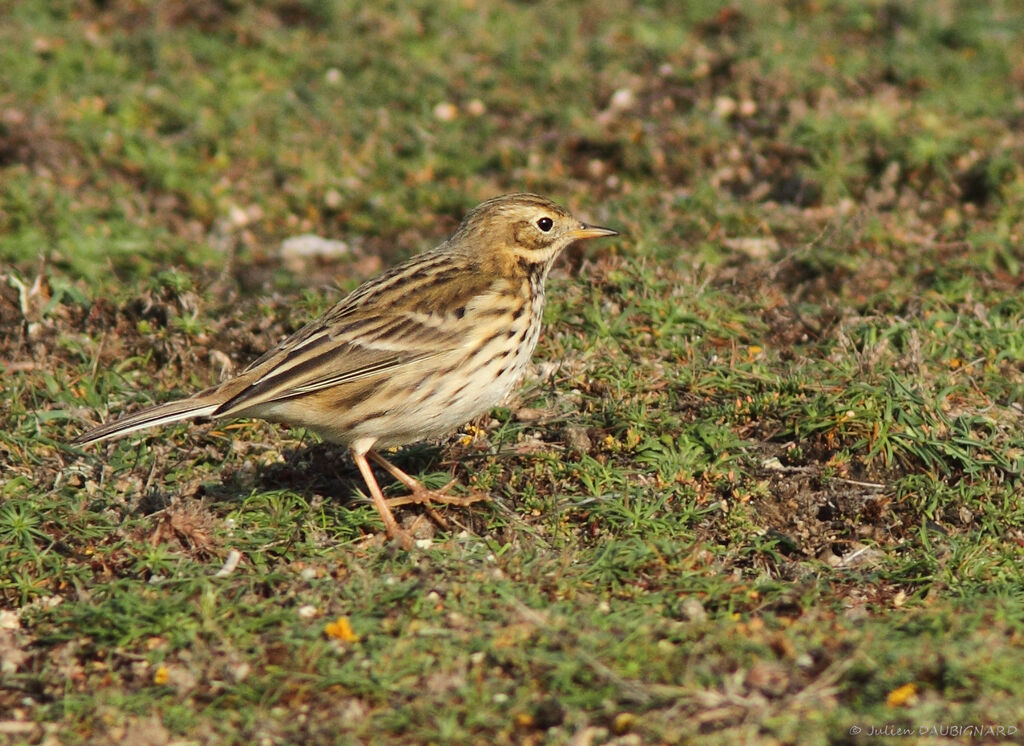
x,y
379,502
420,494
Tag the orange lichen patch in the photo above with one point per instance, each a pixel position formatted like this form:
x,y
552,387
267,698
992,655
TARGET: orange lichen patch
x,y
903,696
341,629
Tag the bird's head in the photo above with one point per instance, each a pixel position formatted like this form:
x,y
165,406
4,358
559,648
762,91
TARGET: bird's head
x,y
528,228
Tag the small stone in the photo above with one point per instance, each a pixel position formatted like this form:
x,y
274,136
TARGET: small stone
x,y
333,199
755,247
622,100
725,107
237,217
297,251
693,610
446,111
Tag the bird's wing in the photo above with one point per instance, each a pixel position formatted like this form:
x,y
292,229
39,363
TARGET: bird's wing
x,y
372,332
333,352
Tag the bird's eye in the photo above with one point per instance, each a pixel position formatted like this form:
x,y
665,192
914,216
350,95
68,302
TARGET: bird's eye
x,y
545,224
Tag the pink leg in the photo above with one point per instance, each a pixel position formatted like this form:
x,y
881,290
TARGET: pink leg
x,y
379,502
420,494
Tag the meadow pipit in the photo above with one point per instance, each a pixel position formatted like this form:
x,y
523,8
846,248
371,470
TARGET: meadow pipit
x,y
409,355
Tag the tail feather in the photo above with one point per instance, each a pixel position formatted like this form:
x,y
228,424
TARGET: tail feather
x,y
161,414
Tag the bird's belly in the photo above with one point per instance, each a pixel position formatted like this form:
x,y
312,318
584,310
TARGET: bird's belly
x,y
434,399
437,405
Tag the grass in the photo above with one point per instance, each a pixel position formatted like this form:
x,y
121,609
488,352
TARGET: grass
x,y
763,484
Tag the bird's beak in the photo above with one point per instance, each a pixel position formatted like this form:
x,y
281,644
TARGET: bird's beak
x,y
591,231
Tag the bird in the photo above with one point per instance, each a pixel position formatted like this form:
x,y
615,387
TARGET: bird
x,y
411,354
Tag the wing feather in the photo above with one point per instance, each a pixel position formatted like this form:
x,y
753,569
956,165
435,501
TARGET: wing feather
x,y
405,317
336,356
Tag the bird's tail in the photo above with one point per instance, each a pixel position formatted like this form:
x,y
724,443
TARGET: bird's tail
x,y
162,414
